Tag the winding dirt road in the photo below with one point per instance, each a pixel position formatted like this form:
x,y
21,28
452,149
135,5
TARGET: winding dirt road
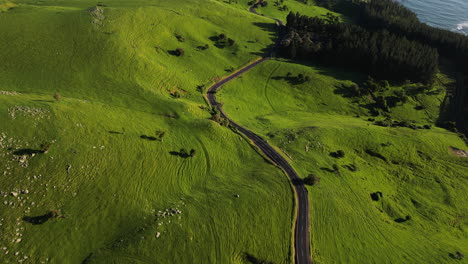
x,y
301,227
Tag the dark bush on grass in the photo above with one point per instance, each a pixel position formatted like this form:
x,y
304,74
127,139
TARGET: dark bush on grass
x,y
45,148
180,38
351,167
312,179
204,47
179,52
338,154
336,168
192,153
376,196
57,97
376,155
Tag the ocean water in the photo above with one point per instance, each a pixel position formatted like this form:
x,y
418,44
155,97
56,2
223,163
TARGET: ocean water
x,y
446,14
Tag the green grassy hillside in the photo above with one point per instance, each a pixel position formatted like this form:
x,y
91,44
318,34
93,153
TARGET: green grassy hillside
x,y
413,169
104,175
85,179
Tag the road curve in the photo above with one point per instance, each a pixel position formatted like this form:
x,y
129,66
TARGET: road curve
x,y
301,227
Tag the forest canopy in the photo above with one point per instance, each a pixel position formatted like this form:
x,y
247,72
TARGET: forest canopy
x,y
388,42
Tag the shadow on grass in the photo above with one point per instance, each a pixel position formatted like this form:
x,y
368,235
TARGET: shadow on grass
x,y
273,30
181,154
29,152
150,138
38,220
254,260
45,101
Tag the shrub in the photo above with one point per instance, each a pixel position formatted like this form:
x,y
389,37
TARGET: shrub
x,y
179,52
192,153
160,135
57,97
312,179
45,148
180,38
231,42
224,122
376,196
338,154
459,255
336,168
204,47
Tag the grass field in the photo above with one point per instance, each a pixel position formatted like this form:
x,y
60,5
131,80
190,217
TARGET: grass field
x,y
118,82
124,197
415,171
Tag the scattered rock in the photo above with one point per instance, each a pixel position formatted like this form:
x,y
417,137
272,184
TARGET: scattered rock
x,y
8,93
236,195
158,234
14,194
459,152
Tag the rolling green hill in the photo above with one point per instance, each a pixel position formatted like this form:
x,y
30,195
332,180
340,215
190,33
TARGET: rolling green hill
x,y
118,81
85,177
414,170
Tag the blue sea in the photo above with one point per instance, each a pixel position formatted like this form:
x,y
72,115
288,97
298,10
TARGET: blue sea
x,y
446,14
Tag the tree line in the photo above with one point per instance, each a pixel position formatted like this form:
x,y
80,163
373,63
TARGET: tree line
x,y
399,20
379,53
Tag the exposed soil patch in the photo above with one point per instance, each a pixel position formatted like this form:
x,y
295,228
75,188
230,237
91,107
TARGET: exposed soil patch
x,y
458,152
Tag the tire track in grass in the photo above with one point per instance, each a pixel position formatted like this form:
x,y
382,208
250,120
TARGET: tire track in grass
x,y
266,87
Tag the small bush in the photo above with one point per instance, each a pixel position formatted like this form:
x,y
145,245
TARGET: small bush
x,y
192,153
312,179
336,168
160,135
231,42
180,38
57,97
45,148
204,47
338,154
179,52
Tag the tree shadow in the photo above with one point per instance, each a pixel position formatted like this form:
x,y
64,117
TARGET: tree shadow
x,y
150,138
45,101
275,36
328,170
38,220
344,91
173,53
30,152
182,153
116,133
400,220
297,182
376,196
254,260
293,80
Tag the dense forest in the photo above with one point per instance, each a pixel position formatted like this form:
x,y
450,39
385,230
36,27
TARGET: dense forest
x,y
379,53
388,42
399,20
